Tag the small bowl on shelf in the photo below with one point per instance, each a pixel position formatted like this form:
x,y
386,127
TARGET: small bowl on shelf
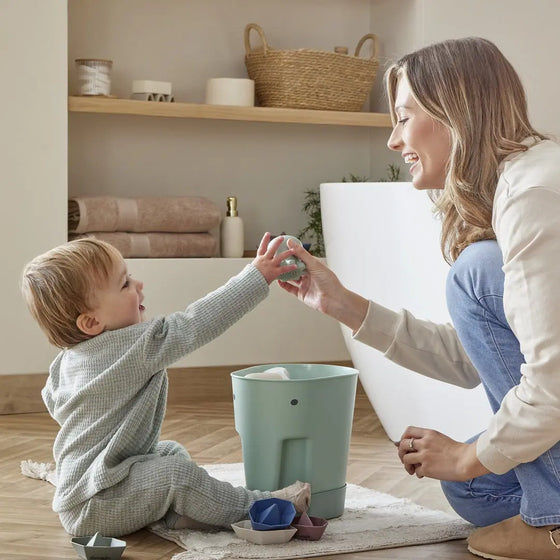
x,y
244,530
271,514
309,528
98,547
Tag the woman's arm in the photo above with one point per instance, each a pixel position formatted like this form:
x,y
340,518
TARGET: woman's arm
x,y
425,347
321,290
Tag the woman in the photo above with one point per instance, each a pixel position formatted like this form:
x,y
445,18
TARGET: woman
x,y
460,120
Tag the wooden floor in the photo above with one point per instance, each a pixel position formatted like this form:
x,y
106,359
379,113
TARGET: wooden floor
x,y
29,530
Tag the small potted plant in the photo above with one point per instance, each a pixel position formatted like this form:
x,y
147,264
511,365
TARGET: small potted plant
x,y
313,231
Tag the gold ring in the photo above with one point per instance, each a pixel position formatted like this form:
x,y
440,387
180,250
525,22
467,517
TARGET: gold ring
x,y
411,443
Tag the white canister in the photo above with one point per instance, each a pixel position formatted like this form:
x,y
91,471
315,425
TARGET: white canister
x,y
230,91
94,75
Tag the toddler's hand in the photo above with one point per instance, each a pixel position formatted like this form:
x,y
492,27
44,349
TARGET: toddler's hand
x,y
267,262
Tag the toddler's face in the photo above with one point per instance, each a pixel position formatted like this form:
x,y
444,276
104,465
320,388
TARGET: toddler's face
x,y
119,301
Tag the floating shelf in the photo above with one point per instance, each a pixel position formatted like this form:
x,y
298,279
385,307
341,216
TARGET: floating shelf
x,y
117,106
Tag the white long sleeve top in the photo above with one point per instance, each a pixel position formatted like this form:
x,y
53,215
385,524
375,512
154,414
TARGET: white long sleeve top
x,y
526,220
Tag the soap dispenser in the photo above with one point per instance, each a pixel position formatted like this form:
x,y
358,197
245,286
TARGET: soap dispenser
x,y
232,237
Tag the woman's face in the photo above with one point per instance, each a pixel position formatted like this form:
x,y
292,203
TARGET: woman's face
x,y
424,142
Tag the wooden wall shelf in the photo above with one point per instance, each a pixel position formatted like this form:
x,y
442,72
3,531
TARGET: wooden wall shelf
x,y
77,104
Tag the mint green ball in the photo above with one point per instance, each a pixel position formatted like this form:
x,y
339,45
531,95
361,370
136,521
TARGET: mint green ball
x,y
296,273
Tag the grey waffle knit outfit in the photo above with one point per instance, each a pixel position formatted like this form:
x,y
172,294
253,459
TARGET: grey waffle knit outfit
x,y
109,396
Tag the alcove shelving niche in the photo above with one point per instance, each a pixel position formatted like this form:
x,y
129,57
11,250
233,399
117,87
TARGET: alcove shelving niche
x,y
267,157
121,106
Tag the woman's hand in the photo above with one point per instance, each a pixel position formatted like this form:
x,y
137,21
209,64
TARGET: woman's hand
x,y
267,262
429,453
320,289
317,286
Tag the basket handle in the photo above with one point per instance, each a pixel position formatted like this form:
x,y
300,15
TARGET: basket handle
x,y
363,40
254,26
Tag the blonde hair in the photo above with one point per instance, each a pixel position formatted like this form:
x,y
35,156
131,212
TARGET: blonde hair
x,y
470,87
59,285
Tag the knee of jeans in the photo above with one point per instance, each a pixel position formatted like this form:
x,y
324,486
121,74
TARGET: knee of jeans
x,y
460,499
479,508
455,490
477,271
474,276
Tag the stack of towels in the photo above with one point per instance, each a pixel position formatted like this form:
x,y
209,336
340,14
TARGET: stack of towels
x,y
148,227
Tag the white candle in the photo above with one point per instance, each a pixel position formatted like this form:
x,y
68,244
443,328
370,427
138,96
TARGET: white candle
x,y
230,91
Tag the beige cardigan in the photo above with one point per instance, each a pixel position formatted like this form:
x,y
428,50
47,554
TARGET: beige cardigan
x,y
526,219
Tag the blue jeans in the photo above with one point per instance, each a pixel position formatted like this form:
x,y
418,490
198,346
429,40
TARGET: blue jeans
x,y
475,287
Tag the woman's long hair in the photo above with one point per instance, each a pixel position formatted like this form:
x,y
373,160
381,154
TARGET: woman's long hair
x,y
469,86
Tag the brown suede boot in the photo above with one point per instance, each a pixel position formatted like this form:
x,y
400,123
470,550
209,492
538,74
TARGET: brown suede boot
x,y
513,539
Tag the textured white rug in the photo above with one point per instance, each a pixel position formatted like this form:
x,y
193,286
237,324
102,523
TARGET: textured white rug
x,y
371,520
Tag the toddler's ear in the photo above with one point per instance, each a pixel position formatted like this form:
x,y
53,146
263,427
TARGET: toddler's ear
x,y
89,324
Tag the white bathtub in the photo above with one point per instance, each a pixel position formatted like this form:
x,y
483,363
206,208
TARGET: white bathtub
x,y
382,241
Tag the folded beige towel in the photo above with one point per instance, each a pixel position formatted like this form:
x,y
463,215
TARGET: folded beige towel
x,y
179,214
157,245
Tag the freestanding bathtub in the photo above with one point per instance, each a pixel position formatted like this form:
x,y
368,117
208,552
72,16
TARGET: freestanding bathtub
x,y
382,241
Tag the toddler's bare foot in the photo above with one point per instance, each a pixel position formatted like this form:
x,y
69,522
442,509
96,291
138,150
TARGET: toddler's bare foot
x,y
299,493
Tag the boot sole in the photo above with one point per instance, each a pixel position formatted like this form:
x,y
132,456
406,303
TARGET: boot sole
x,y
490,556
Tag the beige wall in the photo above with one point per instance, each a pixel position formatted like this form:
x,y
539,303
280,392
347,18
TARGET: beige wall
x,y
33,155
526,32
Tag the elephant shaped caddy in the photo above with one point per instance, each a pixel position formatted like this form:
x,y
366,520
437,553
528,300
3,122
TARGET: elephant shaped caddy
x,y
297,426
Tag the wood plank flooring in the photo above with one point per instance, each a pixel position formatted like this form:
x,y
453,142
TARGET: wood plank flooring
x,y
29,530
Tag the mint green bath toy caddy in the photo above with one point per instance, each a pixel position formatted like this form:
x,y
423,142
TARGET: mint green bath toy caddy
x,y
297,429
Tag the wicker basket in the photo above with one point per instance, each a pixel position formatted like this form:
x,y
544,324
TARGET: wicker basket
x,y
310,79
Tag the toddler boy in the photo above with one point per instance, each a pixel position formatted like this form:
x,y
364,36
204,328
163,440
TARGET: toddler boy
x,y
107,389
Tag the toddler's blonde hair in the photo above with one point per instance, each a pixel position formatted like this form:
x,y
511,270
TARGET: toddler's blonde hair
x,y
60,284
